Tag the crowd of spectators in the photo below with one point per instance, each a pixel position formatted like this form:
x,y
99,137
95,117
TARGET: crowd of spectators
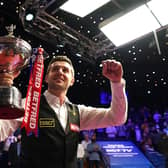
x,y
146,128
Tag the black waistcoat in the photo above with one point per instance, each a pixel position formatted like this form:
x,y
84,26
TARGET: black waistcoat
x,y
54,148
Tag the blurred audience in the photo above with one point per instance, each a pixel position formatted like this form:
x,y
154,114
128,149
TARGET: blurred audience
x,y
148,129
111,132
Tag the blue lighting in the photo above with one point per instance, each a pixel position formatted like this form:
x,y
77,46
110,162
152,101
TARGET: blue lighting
x,y
105,98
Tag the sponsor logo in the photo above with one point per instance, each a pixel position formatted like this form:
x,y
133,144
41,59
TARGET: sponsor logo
x,y
47,122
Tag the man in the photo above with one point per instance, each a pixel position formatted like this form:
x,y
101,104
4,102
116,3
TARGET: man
x,y
14,153
56,145
94,151
5,154
80,156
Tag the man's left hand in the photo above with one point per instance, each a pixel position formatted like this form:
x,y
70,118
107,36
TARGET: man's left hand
x,y
112,70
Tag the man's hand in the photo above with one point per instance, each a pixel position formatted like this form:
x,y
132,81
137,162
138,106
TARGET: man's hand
x,y
6,79
112,70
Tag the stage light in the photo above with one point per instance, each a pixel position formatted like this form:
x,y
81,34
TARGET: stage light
x,y
159,9
136,23
29,17
82,7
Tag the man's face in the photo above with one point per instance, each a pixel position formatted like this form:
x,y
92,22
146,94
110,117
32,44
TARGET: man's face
x,y
93,138
60,76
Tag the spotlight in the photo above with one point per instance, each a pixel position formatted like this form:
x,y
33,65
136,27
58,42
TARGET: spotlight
x,y
29,17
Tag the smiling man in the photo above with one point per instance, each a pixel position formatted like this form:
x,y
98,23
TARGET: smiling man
x,y
60,121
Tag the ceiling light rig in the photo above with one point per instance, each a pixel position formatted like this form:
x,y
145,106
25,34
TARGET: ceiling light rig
x,y
59,31
46,25
136,23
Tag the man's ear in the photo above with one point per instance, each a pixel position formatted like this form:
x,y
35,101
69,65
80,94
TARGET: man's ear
x,y
46,79
72,81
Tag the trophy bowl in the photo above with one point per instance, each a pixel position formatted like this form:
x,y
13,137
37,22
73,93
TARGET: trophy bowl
x,y
15,54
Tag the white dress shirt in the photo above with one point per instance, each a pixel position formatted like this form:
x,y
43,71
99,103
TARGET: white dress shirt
x,y
60,110
80,151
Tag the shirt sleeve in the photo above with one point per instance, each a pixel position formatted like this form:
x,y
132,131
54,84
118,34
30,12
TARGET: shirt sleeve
x,y
9,126
116,114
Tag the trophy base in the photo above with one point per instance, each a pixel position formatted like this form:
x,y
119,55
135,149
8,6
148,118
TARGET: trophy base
x,y
10,103
11,112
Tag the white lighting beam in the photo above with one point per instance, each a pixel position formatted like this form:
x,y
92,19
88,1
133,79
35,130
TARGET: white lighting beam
x,y
82,7
159,8
130,26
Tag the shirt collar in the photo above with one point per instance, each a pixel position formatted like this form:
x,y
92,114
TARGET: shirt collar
x,y
52,99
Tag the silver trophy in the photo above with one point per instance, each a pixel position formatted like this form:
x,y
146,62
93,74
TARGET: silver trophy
x,y
15,54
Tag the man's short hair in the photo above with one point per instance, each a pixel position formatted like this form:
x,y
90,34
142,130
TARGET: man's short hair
x,y
60,58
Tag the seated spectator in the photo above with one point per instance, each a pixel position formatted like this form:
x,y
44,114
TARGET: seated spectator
x,y
129,128
148,145
165,129
157,116
138,134
121,132
100,133
111,132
